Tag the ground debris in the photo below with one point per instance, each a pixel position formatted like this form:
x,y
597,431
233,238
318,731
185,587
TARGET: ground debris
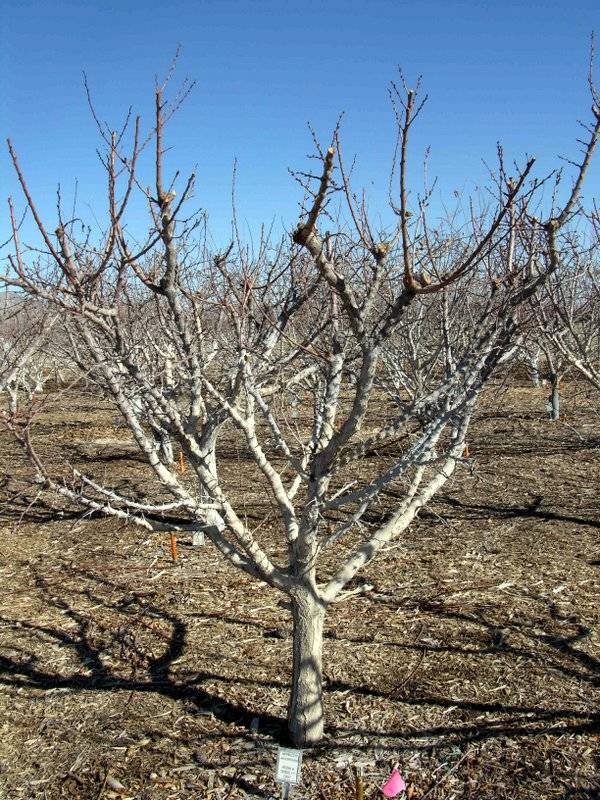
x,y
473,660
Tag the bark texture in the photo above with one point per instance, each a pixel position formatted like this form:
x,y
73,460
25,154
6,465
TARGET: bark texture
x,y
305,712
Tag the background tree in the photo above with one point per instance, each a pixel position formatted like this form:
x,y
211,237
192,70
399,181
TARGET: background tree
x,y
568,312
26,360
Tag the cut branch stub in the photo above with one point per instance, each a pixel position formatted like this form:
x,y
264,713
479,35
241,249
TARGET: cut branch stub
x,y
303,231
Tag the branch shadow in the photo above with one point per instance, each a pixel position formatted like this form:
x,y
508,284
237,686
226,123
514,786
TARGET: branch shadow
x,y
542,648
531,510
534,643
25,663
89,642
17,507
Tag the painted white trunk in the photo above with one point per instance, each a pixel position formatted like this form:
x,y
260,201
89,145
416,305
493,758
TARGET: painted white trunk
x,y
305,710
166,449
533,372
554,401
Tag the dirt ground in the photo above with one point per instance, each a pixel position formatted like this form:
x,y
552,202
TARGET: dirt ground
x,y
473,663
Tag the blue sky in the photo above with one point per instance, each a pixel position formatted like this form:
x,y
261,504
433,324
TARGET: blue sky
x,y
509,71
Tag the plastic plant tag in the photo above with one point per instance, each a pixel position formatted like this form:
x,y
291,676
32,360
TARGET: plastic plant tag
x,y
394,784
289,765
198,538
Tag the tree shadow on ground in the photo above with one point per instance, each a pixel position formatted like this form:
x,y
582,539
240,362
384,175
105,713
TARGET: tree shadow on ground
x,y
17,510
531,640
531,510
545,447
88,644
18,507
76,598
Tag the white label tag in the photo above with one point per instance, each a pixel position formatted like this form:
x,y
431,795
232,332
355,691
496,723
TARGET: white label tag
x,y
198,538
289,765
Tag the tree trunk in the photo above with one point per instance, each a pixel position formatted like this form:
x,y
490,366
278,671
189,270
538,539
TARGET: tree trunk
x,y
166,448
305,710
533,371
554,400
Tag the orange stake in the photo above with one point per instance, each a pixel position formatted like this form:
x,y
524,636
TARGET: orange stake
x,y
181,462
466,452
173,546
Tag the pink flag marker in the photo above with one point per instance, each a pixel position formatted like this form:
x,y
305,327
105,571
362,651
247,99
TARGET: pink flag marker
x,y
394,784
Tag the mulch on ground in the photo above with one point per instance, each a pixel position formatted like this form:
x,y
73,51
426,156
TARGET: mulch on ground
x,y
471,658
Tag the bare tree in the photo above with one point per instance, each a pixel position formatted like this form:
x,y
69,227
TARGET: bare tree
x,y
568,313
26,363
289,347
567,316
